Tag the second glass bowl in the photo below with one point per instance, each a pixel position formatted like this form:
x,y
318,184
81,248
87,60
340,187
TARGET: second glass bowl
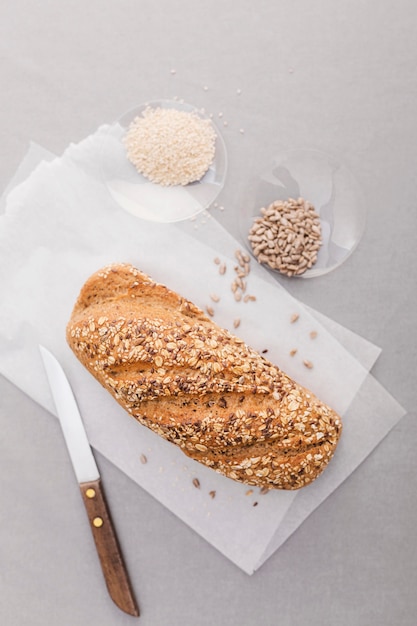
x,y
326,183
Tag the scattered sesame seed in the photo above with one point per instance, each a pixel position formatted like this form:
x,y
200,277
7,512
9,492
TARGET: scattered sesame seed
x,y
236,323
294,317
215,297
264,490
249,492
196,483
308,364
143,459
293,352
313,334
212,494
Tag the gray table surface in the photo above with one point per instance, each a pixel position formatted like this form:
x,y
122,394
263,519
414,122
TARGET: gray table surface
x,y
338,76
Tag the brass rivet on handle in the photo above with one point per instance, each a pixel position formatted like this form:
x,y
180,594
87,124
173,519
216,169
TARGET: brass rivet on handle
x,y
90,493
97,522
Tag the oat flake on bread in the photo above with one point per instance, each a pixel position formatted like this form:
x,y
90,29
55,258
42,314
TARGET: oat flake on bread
x,y
197,385
170,147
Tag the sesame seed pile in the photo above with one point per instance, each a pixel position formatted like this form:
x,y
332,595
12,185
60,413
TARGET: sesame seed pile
x,y
170,147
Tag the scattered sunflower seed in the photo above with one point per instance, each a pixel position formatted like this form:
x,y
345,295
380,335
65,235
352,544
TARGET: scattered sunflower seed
x,y
241,270
196,483
238,255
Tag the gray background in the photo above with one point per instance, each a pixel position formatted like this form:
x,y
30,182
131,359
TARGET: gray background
x,y
338,76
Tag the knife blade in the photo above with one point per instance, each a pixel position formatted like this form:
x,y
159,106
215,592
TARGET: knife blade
x,y
88,477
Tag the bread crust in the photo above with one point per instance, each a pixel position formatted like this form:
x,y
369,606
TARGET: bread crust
x,y
197,385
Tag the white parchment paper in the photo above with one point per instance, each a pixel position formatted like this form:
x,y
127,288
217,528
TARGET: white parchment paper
x,y
60,225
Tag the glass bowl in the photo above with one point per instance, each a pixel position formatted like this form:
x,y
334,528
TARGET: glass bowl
x,y
149,201
327,184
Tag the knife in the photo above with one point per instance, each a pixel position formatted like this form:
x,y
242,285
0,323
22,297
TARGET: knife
x,y
88,476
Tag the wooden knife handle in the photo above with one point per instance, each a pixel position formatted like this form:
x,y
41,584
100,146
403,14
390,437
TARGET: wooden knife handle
x,y
108,549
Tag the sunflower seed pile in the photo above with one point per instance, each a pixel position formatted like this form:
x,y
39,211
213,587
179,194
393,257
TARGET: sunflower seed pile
x,y
287,236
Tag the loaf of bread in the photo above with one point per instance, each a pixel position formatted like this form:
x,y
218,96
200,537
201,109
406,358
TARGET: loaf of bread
x,y
197,385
